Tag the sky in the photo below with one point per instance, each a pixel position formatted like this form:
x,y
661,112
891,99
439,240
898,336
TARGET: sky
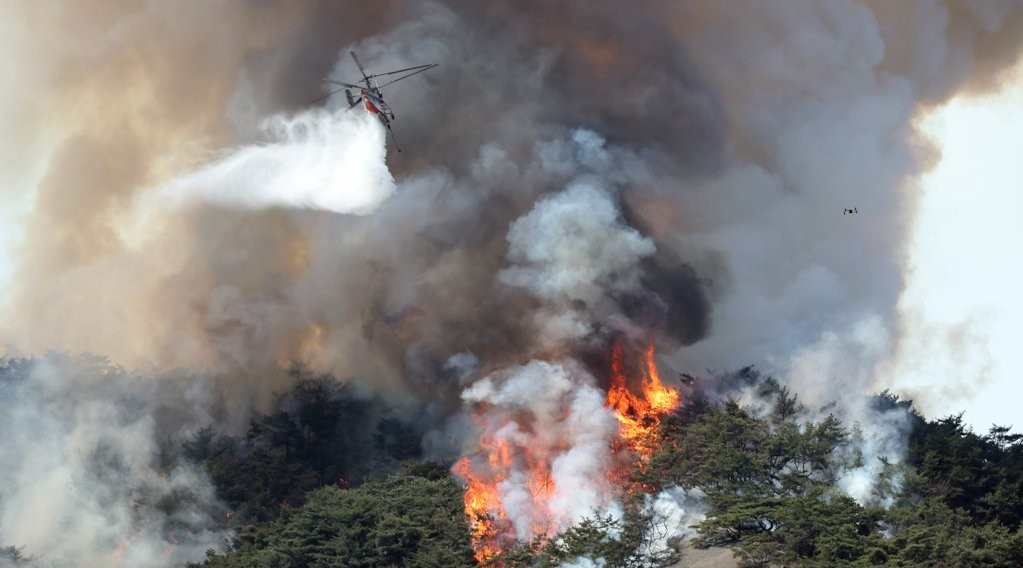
x,y
15,197
577,178
953,218
963,268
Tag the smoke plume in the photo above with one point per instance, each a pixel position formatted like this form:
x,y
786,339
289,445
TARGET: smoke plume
x,y
85,477
567,428
573,173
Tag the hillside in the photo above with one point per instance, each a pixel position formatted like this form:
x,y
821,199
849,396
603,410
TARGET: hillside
x,y
331,477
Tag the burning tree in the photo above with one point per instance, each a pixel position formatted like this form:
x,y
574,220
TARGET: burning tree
x,y
555,448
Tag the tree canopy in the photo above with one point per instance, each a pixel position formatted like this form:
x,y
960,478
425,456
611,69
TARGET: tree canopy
x,y
412,519
330,477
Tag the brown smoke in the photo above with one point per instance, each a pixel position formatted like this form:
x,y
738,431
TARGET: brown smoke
x,y
137,95
130,94
573,171
701,105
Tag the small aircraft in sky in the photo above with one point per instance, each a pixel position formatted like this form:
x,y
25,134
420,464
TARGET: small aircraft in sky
x,y
369,91
852,211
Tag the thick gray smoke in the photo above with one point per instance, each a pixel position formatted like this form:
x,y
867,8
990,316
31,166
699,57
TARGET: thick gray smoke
x,y
573,173
87,477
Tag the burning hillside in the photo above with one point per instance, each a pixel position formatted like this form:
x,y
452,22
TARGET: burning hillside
x,y
639,414
578,177
552,450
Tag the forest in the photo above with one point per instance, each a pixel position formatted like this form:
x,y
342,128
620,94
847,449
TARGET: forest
x,y
328,476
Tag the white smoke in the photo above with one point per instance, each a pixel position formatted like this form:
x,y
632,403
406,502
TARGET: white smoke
x,y
801,109
672,516
574,246
548,413
83,481
584,562
332,161
811,293
879,434
673,513
880,437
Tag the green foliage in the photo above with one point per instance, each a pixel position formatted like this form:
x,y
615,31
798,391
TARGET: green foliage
x,y
318,433
979,474
770,479
592,538
812,529
603,539
930,533
305,487
403,520
732,455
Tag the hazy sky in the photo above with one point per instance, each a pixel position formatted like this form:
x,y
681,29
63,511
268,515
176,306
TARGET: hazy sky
x,y
784,88
579,178
964,268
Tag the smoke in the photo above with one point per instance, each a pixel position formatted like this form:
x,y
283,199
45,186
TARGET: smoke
x,y
572,250
539,416
822,100
316,160
674,514
571,245
572,172
85,480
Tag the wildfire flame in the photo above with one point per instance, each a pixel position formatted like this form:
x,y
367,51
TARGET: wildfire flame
x,y
490,526
482,502
503,450
639,415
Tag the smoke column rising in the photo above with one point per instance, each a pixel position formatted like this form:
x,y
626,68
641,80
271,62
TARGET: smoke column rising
x,y
84,481
709,146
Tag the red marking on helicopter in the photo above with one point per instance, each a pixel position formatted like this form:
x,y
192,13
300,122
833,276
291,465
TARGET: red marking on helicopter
x,y
369,91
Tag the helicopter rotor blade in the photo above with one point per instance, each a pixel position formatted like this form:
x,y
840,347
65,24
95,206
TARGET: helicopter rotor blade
x,y
359,65
327,96
342,83
418,70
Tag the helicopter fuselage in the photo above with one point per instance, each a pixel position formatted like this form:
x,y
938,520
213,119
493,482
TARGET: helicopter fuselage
x,y
369,91
374,103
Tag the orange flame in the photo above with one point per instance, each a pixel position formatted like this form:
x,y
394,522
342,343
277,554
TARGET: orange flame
x,y
483,473
487,517
638,417
482,508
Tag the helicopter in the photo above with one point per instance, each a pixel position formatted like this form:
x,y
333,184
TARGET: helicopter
x,y
369,92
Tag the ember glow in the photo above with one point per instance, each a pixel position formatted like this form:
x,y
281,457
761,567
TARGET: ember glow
x,y
488,519
171,199
514,482
480,499
639,414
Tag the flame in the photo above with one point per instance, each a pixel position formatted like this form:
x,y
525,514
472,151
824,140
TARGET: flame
x,y
482,508
487,517
504,451
484,472
639,415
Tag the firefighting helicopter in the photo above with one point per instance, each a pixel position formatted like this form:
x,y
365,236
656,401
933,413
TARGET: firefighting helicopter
x,y
369,92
